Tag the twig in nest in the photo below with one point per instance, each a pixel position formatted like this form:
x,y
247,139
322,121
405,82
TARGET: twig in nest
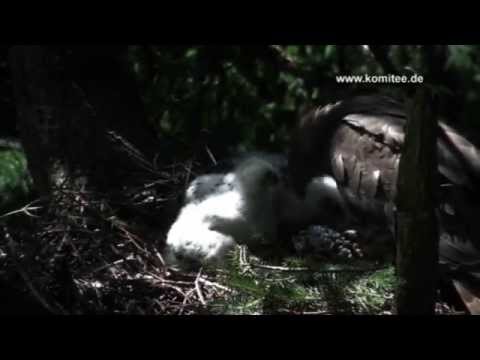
x,y
189,172
159,257
159,304
351,270
164,281
198,289
106,266
322,312
244,263
132,237
25,209
214,284
210,155
154,183
68,230
184,302
155,162
280,268
133,152
176,288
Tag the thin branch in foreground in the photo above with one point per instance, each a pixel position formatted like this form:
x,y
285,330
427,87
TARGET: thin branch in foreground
x,y
280,268
214,284
185,299
107,266
210,155
25,210
321,312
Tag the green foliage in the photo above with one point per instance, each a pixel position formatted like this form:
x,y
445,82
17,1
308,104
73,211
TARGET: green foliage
x,y
15,183
231,97
461,57
323,289
374,293
244,97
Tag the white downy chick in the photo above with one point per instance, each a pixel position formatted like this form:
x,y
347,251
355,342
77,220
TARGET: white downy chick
x,y
224,210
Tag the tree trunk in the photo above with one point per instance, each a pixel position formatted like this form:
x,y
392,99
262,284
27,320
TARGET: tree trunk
x,y
80,118
416,225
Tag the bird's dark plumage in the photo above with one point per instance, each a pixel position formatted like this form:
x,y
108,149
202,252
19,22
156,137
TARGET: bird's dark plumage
x,y
359,141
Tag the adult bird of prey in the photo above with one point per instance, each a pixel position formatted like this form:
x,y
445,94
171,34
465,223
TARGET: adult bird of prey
x,y
358,142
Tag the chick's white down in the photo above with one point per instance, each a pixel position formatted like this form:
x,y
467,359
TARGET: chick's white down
x,y
245,206
222,210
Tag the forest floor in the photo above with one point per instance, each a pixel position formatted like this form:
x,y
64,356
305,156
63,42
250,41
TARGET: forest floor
x,y
140,284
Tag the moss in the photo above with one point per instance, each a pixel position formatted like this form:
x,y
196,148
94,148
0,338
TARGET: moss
x,y
15,182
